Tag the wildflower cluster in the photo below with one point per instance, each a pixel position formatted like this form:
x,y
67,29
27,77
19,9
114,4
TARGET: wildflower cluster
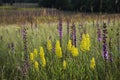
x,y
74,51
36,65
85,43
92,63
42,57
33,56
58,50
69,45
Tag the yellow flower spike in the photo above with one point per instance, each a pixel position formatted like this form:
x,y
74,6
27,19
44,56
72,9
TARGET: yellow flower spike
x,y
83,36
92,63
58,50
35,52
88,42
49,45
42,57
31,57
74,51
43,62
69,45
57,44
64,64
60,54
87,35
85,43
36,66
41,52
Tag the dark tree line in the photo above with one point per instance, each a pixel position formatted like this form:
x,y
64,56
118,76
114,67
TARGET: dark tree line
x,y
111,6
83,5
20,1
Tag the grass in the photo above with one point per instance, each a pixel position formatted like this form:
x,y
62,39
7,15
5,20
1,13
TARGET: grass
x,y
14,8
6,7
78,68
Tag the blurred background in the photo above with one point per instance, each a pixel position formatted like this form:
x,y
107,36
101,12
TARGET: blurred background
x,y
105,6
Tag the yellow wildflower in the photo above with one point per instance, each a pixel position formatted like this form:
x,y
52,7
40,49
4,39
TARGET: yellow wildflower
x,y
36,66
58,50
42,57
92,63
85,43
88,42
35,52
31,57
41,52
64,64
49,45
43,61
69,45
74,51
57,44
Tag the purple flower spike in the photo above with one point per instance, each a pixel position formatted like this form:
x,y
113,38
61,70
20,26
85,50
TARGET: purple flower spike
x,y
99,33
26,62
105,51
73,34
60,30
24,35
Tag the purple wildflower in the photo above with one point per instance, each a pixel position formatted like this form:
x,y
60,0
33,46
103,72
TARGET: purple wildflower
x,y
99,33
24,34
60,31
73,34
26,62
105,51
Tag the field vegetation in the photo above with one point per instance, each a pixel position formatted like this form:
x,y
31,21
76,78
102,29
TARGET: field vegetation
x,y
54,45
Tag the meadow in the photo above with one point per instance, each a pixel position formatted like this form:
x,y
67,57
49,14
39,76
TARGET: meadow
x,y
59,47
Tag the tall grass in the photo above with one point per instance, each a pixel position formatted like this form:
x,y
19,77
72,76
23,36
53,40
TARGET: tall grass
x,y
78,68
